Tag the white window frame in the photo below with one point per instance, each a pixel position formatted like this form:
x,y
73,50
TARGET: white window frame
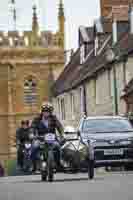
x,y
59,107
81,90
82,54
62,106
72,102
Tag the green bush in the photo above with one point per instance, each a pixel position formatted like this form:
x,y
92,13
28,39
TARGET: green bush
x,y
11,167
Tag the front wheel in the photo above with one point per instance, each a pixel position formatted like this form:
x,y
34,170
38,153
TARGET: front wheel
x,y
91,170
50,166
43,176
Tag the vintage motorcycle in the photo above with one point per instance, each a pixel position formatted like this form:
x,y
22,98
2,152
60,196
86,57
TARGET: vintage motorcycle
x,y
27,164
48,150
74,155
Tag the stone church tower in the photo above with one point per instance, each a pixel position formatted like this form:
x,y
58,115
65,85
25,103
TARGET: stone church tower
x,y
29,62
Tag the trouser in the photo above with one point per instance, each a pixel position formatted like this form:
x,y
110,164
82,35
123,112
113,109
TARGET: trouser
x,y
57,153
20,156
34,157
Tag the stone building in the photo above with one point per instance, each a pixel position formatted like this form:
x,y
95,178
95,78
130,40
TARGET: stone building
x,y
29,63
94,80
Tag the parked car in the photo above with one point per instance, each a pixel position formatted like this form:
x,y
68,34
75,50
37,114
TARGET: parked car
x,y
109,141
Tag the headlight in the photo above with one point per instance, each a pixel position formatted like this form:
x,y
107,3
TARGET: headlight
x,y
91,142
126,142
31,136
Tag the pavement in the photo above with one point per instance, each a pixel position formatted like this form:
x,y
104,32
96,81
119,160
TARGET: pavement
x,y
105,186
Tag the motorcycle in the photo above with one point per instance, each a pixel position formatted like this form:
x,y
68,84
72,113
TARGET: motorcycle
x,y
48,164
73,158
27,164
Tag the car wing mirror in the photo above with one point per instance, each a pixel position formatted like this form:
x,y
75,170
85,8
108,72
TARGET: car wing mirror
x,y
78,133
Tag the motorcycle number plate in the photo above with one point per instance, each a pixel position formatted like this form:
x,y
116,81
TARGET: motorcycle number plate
x,y
50,137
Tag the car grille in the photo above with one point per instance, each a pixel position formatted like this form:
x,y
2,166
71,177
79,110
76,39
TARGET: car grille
x,y
99,154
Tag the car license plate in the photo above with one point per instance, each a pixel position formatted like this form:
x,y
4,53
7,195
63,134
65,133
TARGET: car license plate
x,y
113,152
71,136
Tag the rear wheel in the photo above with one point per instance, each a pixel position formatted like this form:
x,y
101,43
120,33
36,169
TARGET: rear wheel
x,y
91,170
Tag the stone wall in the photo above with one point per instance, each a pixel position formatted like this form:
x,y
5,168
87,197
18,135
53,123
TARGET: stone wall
x,y
15,67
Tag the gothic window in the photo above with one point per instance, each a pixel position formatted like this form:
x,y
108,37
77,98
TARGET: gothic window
x,y
30,91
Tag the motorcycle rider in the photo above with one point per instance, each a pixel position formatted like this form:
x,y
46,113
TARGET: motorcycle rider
x,y
22,135
45,123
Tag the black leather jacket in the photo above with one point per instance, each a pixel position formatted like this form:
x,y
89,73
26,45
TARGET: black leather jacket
x,y
53,125
22,135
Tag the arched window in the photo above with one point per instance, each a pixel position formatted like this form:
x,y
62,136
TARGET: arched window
x,y
30,90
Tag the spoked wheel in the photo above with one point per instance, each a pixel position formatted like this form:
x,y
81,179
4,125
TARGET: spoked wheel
x,y
91,170
50,167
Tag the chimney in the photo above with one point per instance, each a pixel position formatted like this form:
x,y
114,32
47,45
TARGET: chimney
x,y
114,31
131,20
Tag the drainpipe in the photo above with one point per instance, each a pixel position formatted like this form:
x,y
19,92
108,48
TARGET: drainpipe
x,y
116,112
115,39
114,31
84,100
131,20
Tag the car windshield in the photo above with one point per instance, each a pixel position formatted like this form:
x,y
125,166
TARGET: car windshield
x,y
106,125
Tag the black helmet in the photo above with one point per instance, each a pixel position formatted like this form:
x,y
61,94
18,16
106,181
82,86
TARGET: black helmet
x,y
47,107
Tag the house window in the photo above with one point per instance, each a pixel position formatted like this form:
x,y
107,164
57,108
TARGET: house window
x,y
82,54
30,91
26,41
81,100
59,108
109,82
72,100
63,114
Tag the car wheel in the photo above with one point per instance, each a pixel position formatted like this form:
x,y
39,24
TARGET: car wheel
x,y
91,170
43,176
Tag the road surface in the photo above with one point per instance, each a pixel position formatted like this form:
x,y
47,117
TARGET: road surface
x,y
105,186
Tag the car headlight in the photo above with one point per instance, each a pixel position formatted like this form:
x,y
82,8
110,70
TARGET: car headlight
x,y
91,141
126,142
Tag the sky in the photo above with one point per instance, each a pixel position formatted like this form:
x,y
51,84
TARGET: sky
x,y
77,12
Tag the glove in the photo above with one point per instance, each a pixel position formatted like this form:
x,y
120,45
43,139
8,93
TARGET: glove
x,y
62,140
